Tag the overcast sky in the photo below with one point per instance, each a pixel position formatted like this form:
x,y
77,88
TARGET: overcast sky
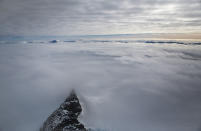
x,y
70,17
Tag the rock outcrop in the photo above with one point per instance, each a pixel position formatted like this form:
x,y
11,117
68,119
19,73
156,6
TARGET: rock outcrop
x,y
65,118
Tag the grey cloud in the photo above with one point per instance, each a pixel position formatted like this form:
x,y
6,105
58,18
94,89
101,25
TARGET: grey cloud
x,y
63,17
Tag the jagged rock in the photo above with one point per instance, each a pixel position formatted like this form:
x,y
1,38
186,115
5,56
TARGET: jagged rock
x,y
65,118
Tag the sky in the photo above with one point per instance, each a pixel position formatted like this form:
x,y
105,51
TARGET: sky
x,y
82,17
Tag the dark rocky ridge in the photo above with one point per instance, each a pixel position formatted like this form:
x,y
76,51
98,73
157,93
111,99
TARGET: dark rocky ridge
x,y
65,118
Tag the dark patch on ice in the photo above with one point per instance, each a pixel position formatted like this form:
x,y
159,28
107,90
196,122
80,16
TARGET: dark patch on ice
x,y
65,118
188,58
173,42
148,56
161,42
170,51
101,41
36,42
185,55
96,54
53,41
122,41
70,41
192,55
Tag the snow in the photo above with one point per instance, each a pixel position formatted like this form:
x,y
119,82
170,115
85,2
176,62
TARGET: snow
x,y
130,85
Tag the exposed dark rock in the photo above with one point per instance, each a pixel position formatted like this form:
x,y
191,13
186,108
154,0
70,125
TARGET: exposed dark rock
x,y
54,41
65,118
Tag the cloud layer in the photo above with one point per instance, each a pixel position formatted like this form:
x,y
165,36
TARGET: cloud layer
x,y
66,17
123,86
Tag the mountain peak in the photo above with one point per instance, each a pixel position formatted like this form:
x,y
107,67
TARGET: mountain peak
x,y
65,118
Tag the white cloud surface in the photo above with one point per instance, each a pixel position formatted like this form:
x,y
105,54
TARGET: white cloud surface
x,y
132,86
